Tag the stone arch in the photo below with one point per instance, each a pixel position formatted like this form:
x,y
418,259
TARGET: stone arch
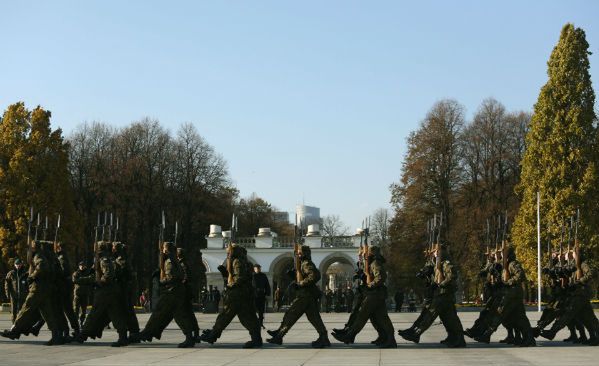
x,y
206,265
277,272
335,257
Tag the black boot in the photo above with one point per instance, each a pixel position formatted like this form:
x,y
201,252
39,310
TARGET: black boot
x,y
347,337
412,336
256,341
388,342
209,336
455,341
35,329
485,337
276,336
10,334
189,341
593,338
196,335
380,339
322,341
134,337
548,334
122,341
56,339
340,330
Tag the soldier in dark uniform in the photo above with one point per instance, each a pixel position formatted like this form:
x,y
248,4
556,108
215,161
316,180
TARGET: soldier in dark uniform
x,y
305,302
349,299
124,279
442,305
398,300
578,304
511,311
238,299
107,306
172,301
261,292
189,291
16,287
328,300
339,300
65,289
81,292
427,274
373,305
38,300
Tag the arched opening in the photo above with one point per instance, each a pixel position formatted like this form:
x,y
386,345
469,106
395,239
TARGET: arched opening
x,y
279,270
337,271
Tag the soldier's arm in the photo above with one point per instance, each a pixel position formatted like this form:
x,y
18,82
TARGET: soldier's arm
x,y
587,274
377,275
39,268
8,285
447,274
309,274
239,273
168,272
516,274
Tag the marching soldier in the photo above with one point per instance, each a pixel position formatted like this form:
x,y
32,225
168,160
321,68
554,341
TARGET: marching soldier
x,y
171,302
81,292
238,299
15,287
442,305
578,303
39,298
305,302
106,305
65,289
373,305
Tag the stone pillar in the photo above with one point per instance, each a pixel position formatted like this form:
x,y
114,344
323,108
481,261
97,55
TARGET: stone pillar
x,y
215,238
264,238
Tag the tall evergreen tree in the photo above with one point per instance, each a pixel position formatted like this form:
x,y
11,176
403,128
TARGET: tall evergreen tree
x,y
560,160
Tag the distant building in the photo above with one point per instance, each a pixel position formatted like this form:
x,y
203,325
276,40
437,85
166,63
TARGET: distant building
x,y
308,215
280,217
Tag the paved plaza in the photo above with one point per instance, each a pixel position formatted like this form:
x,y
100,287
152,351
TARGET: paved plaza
x,y
295,350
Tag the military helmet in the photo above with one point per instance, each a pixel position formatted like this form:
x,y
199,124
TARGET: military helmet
x,y
306,252
170,247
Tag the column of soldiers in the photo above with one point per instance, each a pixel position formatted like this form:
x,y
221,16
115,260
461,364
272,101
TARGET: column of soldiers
x,y
49,293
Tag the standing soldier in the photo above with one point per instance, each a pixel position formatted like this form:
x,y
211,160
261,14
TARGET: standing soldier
x,y
15,287
81,292
305,302
171,303
349,299
373,305
39,299
124,279
398,299
261,292
442,305
237,300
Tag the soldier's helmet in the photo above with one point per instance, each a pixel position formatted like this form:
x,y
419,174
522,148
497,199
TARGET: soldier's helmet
x,y
103,246
306,252
170,247
180,252
236,251
118,247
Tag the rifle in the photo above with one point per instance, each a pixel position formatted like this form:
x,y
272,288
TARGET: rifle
x,y
160,243
176,232
488,243
577,248
37,225
116,230
57,228
96,254
560,256
45,228
504,251
367,252
29,251
110,228
297,246
439,277
230,248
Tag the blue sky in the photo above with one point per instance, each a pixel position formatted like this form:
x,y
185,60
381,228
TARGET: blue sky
x,y
307,101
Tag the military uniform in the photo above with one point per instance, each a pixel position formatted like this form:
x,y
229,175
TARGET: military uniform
x,y
511,311
16,288
189,294
492,296
237,300
305,302
171,302
442,306
261,291
64,286
81,293
124,279
39,300
578,305
106,304
373,306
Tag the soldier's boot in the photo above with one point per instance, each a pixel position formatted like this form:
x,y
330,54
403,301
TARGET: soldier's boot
x,y
388,342
56,339
255,341
573,337
379,339
10,334
455,341
209,336
509,339
189,341
122,341
582,338
322,341
409,330
341,330
548,334
276,336
593,338
66,336
134,337
485,337
518,337
347,337
413,335
196,335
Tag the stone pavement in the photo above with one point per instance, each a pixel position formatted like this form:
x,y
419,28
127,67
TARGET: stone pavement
x,y
295,350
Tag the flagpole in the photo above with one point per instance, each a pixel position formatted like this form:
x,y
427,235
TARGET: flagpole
x,y
539,251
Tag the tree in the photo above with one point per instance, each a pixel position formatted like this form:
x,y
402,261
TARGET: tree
x,y
33,173
379,229
560,160
331,226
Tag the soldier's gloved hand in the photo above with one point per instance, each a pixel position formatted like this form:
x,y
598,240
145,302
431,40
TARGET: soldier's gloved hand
x,y
223,270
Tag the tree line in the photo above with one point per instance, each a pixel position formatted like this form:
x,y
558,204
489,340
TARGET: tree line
x,y
472,171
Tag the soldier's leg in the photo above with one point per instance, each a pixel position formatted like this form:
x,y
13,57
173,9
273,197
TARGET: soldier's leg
x,y
314,317
429,316
364,313
13,309
67,307
452,323
160,317
295,311
355,309
571,310
28,314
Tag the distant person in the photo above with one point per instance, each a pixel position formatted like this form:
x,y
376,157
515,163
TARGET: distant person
x,y
261,292
399,297
16,287
81,291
